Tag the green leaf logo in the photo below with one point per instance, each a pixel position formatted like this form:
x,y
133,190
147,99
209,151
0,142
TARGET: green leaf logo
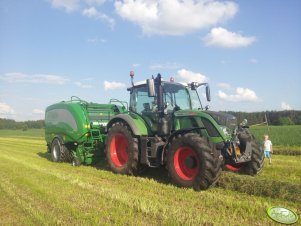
x,y
282,215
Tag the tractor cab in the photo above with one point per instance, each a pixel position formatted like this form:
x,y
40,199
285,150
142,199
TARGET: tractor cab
x,y
175,97
156,101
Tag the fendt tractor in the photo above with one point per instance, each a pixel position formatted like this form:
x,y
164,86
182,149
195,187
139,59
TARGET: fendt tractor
x,y
165,124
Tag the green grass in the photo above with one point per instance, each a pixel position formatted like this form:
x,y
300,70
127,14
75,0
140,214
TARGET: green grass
x,y
36,191
36,133
281,136
286,139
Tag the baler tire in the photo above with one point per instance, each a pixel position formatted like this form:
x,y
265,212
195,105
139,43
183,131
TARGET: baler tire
x,y
59,152
122,150
205,162
76,161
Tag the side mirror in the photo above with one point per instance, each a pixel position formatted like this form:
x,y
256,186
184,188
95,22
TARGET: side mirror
x,y
208,93
151,87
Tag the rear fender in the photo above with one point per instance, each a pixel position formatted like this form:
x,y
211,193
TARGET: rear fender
x,y
60,137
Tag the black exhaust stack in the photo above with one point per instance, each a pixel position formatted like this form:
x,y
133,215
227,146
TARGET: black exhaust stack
x,y
163,128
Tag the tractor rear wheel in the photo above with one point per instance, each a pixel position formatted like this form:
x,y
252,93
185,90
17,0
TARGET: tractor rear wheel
x,y
59,152
122,150
193,162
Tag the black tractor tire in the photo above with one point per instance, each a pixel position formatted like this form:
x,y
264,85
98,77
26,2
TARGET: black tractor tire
x,y
244,135
255,166
192,161
59,152
122,151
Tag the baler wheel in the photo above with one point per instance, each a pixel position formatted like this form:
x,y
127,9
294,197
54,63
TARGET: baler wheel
x,y
122,149
193,161
59,152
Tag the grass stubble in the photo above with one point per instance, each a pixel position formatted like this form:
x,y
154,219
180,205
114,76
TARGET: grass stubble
x,y
36,191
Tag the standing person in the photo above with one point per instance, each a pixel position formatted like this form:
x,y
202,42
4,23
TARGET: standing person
x,y
267,145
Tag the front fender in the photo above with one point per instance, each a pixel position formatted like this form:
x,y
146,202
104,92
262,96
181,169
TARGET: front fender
x,y
134,121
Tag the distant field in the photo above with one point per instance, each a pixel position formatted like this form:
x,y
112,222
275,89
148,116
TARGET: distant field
x,y
280,135
286,139
37,133
36,191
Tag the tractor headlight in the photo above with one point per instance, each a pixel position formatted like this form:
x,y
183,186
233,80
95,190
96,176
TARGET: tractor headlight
x,y
226,130
244,122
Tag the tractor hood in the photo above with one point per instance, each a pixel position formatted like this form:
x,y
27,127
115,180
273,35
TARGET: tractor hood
x,y
224,119
196,118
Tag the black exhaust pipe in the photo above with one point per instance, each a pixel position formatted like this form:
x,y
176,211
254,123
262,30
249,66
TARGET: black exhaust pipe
x,y
163,128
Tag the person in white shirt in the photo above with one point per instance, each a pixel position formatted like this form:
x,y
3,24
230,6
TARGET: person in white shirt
x,y
267,145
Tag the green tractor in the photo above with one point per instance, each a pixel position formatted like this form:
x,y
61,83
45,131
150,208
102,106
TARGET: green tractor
x,y
164,125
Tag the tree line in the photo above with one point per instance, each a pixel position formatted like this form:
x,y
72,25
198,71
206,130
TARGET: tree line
x,y
271,117
275,118
12,124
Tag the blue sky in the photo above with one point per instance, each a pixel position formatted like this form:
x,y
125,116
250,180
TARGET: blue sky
x,y
50,50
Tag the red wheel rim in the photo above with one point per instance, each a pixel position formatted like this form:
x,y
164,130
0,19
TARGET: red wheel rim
x,y
182,157
118,151
232,168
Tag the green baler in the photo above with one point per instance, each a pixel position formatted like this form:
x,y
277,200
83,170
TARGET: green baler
x,y
76,130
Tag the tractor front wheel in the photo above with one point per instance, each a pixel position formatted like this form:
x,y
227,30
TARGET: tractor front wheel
x,y
254,166
122,150
192,161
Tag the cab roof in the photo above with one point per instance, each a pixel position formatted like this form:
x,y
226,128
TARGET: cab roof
x,y
141,83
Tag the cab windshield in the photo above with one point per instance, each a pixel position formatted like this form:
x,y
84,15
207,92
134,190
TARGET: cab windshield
x,y
195,102
176,97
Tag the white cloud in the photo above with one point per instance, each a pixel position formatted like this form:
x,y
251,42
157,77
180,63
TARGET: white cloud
x,y
6,110
92,12
224,86
241,95
35,78
224,62
87,7
136,65
189,76
96,40
164,66
95,2
38,111
175,17
113,85
220,37
84,86
253,61
285,106
68,5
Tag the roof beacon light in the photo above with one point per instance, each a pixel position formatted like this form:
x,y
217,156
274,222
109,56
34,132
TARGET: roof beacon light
x,y
172,79
132,74
132,77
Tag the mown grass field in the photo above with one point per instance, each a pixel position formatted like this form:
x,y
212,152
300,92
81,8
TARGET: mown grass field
x,y
36,191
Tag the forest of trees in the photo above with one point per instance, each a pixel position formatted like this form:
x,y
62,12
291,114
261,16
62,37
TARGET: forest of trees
x,y
12,124
273,118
